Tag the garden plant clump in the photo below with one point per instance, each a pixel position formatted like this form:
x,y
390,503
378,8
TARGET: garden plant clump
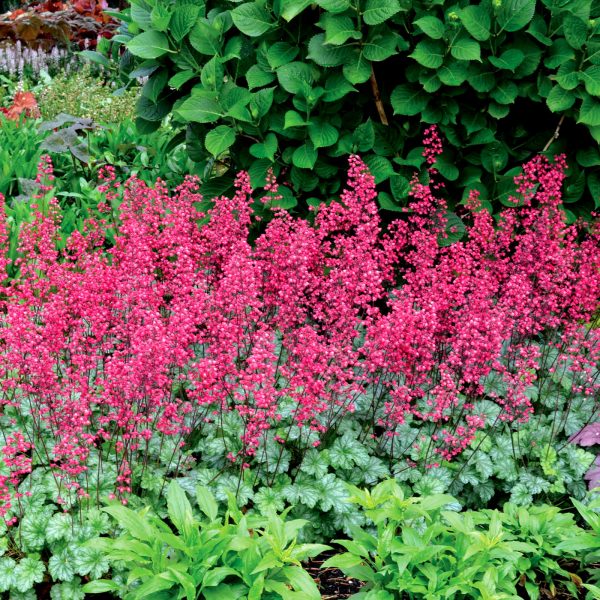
x,y
300,301
122,363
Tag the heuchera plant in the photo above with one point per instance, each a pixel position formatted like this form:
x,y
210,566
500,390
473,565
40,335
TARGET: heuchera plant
x,y
104,352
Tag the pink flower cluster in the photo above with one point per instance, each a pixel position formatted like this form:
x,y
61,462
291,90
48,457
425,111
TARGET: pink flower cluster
x,y
178,323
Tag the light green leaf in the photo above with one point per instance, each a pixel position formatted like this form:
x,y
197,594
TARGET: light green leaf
x,y
28,572
322,133
431,26
465,48
327,55
334,6
281,53
180,79
429,53
590,112
515,14
575,31
305,156
292,8
251,19
206,500
559,99
591,80
149,44
510,59
295,76
476,20
378,11
200,109
339,29
183,19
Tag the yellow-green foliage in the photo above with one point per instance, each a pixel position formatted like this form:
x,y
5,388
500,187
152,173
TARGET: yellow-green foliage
x,y
83,94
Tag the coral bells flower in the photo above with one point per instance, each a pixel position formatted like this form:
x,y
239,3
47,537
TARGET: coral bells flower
x,y
115,352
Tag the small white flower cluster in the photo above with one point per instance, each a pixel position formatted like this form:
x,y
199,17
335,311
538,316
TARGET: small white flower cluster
x,y
16,58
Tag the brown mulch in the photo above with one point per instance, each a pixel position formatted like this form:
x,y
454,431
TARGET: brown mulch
x,y
332,583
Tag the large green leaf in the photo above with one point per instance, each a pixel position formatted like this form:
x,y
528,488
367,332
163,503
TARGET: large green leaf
x,y
408,100
200,109
465,48
183,19
379,11
590,112
515,14
476,20
510,59
559,99
327,55
591,80
575,30
322,133
292,8
429,53
149,44
252,19
431,26
219,140
339,28
295,76
305,156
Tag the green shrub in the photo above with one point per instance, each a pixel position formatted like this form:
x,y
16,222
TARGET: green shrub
x,y
303,84
85,95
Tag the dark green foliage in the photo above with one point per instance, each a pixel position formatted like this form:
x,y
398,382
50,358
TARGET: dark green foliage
x,y
302,85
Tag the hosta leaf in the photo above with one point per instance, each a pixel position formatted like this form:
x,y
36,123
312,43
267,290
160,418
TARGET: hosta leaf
x,y
378,11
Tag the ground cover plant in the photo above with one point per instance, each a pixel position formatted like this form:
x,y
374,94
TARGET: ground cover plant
x,y
298,86
174,350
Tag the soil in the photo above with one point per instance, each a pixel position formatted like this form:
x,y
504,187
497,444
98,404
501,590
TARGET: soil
x,y
332,583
